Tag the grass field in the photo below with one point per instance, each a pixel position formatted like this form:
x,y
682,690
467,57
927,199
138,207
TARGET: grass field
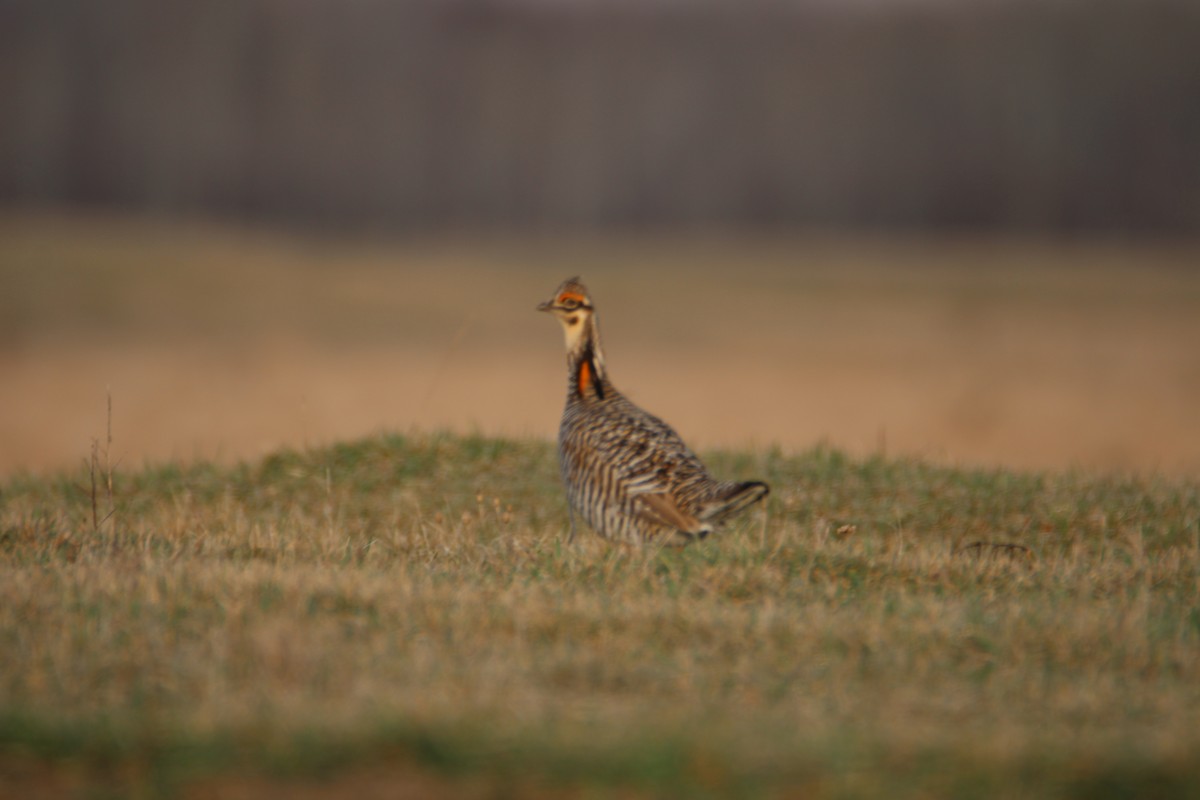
x,y
258,572
401,614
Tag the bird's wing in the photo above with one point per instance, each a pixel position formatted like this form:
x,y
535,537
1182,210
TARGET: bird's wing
x,y
661,509
652,462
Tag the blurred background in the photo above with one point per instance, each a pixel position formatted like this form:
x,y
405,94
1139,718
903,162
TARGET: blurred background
x,y
965,231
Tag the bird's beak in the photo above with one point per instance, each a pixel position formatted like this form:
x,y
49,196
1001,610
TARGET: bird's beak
x,y
545,306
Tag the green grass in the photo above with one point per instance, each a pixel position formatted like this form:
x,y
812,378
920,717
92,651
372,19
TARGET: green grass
x,y
406,608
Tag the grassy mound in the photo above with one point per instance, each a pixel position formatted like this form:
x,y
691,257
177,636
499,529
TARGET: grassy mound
x,y
403,613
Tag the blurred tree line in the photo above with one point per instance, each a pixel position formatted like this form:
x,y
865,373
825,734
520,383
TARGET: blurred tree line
x,y
1039,115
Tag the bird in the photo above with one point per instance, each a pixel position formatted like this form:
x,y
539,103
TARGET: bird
x,y
627,473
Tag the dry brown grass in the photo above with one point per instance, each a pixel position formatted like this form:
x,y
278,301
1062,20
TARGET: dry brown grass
x,y
228,344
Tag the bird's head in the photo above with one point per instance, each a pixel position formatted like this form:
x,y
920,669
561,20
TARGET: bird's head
x,y
573,307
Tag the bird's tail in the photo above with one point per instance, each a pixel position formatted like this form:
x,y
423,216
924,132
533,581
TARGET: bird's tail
x,y
732,498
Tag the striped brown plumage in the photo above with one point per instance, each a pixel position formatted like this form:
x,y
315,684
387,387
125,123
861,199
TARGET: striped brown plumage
x,y
627,473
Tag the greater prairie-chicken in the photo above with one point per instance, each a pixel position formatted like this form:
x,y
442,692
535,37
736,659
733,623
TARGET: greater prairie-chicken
x,y
627,473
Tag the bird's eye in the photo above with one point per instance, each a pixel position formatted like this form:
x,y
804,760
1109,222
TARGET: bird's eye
x,y
568,302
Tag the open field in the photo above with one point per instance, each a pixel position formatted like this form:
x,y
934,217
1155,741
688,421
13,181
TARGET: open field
x,y
223,344
276,595
400,614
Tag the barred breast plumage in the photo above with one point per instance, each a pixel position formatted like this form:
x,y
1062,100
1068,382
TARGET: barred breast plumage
x,y
626,472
